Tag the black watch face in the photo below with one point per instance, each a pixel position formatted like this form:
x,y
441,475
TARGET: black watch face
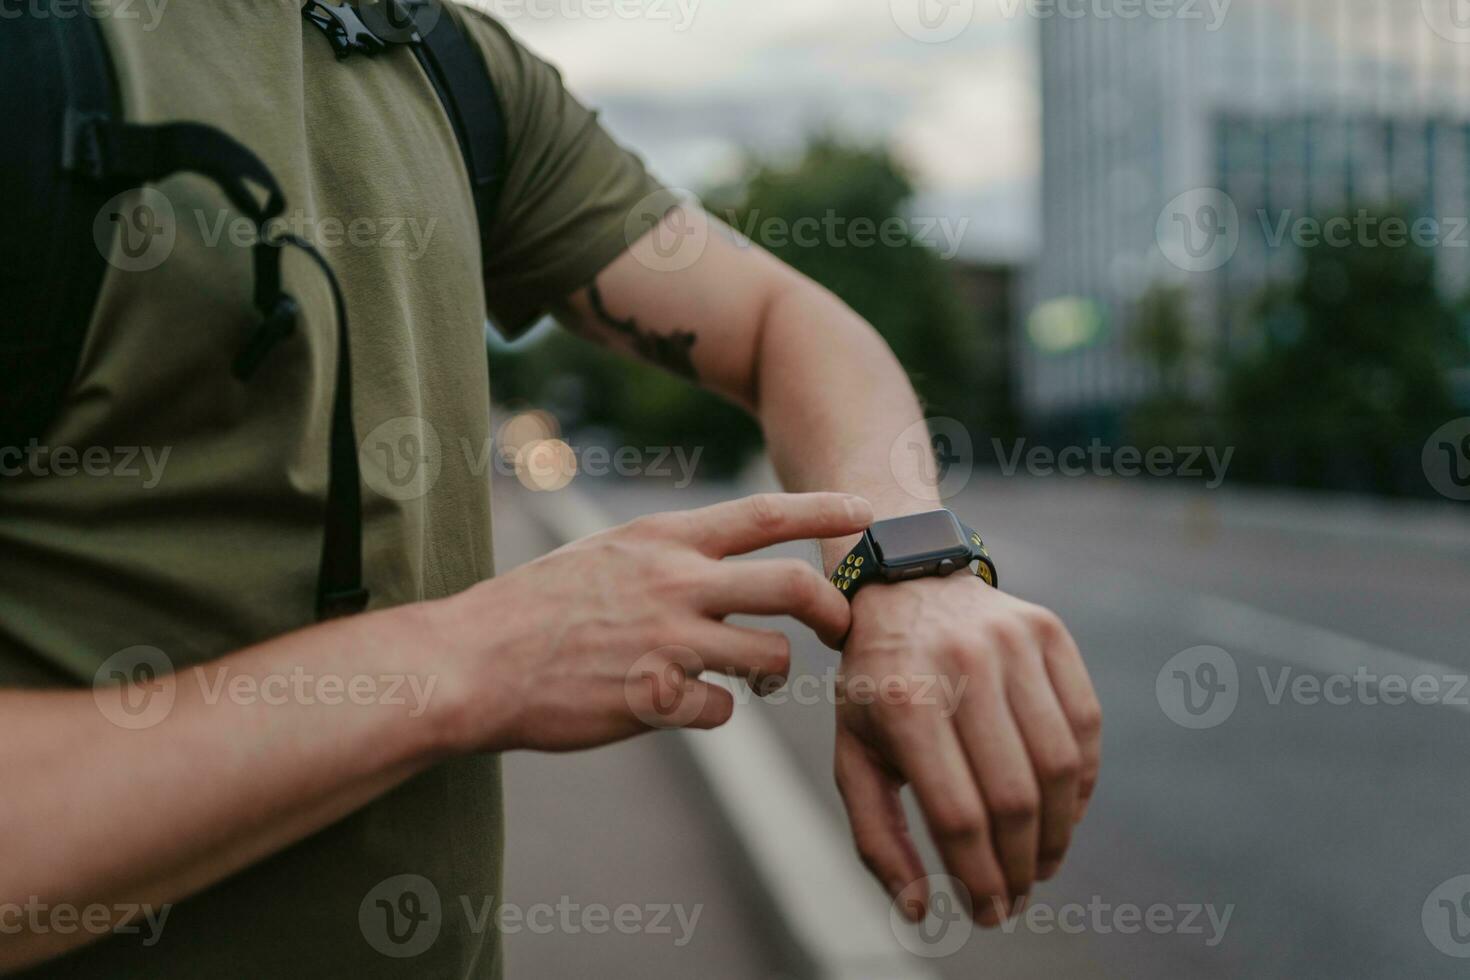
x,y
919,539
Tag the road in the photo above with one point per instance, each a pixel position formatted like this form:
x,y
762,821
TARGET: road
x,y
1297,824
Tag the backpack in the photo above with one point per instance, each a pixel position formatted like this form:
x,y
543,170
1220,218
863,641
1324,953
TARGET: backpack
x,y
69,152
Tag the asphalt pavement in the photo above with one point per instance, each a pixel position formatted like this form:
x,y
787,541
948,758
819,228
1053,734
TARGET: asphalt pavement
x,y
1284,787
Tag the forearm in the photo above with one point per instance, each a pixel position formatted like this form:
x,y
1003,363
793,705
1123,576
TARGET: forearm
x,y
833,401
222,781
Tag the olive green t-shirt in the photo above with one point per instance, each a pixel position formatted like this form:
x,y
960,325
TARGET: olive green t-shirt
x,y
198,528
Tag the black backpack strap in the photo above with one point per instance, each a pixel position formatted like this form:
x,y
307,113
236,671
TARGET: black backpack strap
x,y
457,70
89,155
50,268
455,67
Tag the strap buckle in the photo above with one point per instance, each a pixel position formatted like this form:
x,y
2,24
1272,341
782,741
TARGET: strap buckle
x,y
370,28
277,326
84,148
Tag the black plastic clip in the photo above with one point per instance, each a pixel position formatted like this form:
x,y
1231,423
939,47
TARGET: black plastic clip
x,y
272,330
368,28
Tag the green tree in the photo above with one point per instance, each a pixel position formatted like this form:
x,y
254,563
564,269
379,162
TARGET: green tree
x,y
1342,373
1163,337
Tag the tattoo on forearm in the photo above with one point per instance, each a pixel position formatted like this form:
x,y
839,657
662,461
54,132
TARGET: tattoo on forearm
x,y
670,351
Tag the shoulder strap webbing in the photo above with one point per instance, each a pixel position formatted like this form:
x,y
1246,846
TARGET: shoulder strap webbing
x,y
456,69
50,267
452,60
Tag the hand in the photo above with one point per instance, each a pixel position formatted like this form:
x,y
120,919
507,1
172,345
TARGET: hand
x,y
605,638
1002,751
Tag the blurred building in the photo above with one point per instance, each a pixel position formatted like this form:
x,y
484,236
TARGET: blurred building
x,y
1174,147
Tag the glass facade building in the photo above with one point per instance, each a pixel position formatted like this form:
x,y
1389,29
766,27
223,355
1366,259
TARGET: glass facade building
x,y
1252,113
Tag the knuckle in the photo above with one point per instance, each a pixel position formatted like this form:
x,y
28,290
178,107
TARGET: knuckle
x,y
779,660
1088,720
1009,635
897,717
988,895
958,648
957,822
1047,625
1016,803
869,851
1060,766
765,511
799,581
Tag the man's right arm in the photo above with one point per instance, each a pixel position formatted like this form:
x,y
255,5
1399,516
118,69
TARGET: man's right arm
x,y
593,643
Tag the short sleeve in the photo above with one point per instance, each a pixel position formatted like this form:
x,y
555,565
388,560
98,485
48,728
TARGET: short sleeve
x,y
569,191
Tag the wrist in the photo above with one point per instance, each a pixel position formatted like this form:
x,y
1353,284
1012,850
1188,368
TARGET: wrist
x,y
459,651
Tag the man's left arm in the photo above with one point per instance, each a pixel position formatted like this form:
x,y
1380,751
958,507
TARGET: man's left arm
x,y
999,731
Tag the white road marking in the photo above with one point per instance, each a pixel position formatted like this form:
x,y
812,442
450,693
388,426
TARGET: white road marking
x,y
1236,626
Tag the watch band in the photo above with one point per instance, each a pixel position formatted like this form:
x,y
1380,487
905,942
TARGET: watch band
x,y
858,569
984,568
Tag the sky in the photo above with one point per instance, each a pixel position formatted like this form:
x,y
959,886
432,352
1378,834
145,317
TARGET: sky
x,y
694,85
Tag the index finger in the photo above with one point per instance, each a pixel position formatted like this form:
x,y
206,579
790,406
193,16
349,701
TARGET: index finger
x,y
741,526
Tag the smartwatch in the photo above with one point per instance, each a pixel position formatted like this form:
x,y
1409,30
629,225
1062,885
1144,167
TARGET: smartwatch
x,y
933,544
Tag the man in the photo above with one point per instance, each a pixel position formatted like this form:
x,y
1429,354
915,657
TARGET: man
x,y
270,819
